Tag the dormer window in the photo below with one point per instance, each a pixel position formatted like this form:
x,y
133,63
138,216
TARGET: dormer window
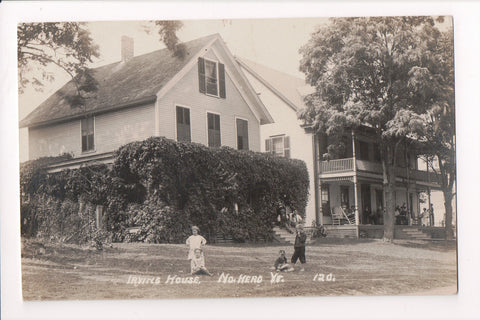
x,y
211,78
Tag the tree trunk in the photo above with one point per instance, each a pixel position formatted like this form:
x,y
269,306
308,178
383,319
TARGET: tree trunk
x,y
389,178
389,212
447,195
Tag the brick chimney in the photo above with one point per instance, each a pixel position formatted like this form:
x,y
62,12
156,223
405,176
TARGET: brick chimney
x,y
127,48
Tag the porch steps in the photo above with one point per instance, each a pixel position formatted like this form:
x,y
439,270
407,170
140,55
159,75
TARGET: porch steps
x,y
412,234
283,236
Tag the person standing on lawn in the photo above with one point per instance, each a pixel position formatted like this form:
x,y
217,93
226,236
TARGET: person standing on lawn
x,y
299,246
195,241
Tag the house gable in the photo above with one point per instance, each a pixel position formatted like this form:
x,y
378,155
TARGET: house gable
x,y
216,50
186,93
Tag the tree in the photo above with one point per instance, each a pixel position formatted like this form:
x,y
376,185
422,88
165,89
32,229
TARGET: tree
x,y
433,86
362,69
167,31
67,45
168,34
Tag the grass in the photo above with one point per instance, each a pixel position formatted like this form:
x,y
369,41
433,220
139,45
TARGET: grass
x,y
359,267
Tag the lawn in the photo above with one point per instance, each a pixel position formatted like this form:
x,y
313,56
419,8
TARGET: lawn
x,y
334,267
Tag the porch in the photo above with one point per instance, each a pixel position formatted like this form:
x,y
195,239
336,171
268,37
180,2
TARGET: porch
x,y
351,200
376,232
346,166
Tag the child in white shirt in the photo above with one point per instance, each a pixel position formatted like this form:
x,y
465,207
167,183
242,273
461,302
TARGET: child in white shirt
x,y
197,263
195,241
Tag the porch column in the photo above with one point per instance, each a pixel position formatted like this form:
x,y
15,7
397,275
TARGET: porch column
x,y
316,179
355,189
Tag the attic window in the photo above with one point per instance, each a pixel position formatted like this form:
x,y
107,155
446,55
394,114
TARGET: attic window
x,y
211,78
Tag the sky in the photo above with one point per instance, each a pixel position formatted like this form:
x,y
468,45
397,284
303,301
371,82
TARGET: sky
x,y
271,42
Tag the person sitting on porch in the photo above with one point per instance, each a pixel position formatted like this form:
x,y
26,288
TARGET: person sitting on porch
x,y
296,218
401,215
368,214
423,216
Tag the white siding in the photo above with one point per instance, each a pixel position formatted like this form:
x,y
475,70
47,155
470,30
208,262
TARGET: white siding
x,y
112,130
285,122
186,93
55,140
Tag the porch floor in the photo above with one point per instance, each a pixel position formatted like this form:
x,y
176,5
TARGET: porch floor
x,y
376,232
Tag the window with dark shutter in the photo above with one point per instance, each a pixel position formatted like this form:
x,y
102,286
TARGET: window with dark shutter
x,y
88,132
268,145
278,145
221,80
183,124
213,123
201,75
286,147
242,134
211,78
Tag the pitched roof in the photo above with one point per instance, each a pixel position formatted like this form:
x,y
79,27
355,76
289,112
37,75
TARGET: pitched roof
x,y
120,84
290,89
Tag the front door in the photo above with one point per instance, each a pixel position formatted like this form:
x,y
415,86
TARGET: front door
x,y
366,204
344,197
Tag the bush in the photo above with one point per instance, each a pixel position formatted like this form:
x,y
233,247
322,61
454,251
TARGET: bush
x,y
164,187
198,183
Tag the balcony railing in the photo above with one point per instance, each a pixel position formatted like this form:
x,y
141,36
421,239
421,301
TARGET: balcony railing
x,y
340,165
345,165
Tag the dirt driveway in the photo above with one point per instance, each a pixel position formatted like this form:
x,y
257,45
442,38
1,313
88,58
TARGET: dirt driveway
x,y
158,271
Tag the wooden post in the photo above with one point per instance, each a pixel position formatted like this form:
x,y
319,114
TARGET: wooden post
x,y
99,216
355,184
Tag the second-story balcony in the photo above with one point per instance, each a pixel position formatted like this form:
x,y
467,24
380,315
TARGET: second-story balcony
x,y
332,167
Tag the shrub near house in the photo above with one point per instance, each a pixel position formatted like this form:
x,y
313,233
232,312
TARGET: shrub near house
x,y
164,187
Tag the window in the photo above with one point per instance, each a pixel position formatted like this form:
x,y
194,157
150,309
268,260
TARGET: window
x,y
362,152
183,124
211,78
242,134
88,133
376,153
279,145
325,199
213,123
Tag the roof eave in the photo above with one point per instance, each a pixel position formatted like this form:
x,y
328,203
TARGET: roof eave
x,y
130,104
264,117
267,84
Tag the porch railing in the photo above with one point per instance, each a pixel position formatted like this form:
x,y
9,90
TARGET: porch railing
x,y
339,165
346,164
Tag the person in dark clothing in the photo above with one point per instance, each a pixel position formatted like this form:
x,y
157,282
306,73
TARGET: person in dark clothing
x,y
281,263
299,246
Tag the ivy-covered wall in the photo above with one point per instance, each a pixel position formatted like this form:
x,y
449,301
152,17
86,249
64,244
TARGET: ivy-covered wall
x,y
164,187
